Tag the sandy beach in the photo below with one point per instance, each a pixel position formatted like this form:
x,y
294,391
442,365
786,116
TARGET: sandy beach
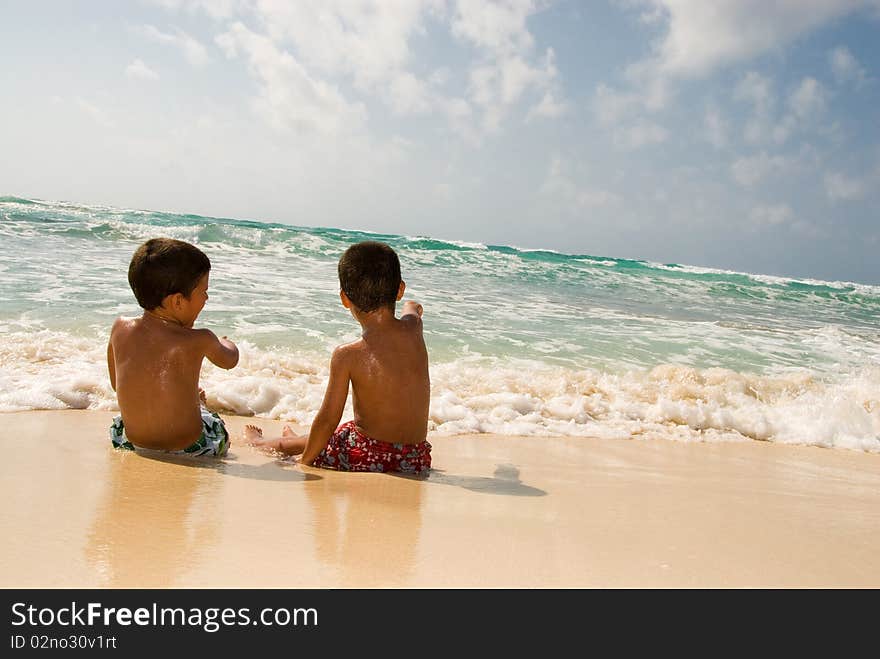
x,y
495,512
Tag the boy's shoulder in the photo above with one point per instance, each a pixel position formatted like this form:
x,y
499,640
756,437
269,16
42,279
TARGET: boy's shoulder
x,y
123,323
346,350
126,325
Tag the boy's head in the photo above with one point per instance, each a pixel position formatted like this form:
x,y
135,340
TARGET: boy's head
x,y
369,275
164,266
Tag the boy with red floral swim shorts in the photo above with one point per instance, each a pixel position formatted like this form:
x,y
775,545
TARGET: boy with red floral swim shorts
x,y
387,369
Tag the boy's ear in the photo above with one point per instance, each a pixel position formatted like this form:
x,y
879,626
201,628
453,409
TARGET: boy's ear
x,y
345,301
171,302
401,289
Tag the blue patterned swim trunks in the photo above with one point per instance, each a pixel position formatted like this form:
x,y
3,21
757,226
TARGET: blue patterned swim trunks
x,y
214,439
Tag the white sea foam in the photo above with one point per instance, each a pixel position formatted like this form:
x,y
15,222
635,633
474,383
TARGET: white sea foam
x,y
445,241
533,249
533,345
774,280
477,394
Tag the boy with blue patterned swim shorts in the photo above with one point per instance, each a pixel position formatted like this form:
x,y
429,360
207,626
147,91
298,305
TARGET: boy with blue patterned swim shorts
x,y
154,360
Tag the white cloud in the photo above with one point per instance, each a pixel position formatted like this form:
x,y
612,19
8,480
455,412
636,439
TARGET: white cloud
x,y
840,187
442,192
846,67
440,76
498,85
595,198
702,36
772,215
627,110
716,128
516,76
809,99
782,216
639,134
559,185
98,115
549,108
611,106
756,89
648,93
653,88
750,171
367,39
495,86
290,99
498,27
370,42
409,95
507,69
196,54
805,105
137,69
217,9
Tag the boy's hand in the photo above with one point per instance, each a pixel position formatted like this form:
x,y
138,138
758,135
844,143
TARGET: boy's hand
x,y
411,306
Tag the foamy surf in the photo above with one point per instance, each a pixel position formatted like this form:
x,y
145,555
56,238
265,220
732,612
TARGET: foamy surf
x,y
479,394
522,342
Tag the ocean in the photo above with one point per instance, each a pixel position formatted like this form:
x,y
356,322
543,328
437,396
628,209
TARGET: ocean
x,y
521,342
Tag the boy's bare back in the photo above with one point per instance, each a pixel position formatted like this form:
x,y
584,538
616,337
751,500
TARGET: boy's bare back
x,y
154,361
386,369
391,388
156,377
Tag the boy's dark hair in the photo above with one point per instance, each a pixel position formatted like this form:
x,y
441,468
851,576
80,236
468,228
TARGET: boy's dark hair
x,y
369,274
164,266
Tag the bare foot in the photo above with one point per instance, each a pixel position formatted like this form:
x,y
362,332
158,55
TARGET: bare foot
x,y
288,432
253,434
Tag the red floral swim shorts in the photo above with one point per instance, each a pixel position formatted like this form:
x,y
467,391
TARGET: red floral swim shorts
x,y
351,450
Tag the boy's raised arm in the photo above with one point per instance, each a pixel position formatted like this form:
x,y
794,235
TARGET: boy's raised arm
x,y
411,308
222,352
332,406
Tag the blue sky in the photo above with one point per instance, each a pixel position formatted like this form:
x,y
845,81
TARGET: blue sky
x,y
741,135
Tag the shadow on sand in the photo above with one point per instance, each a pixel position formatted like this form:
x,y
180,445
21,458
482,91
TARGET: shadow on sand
x,y
504,481
277,470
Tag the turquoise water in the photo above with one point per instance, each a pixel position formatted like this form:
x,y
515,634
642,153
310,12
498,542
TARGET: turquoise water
x,y
521,342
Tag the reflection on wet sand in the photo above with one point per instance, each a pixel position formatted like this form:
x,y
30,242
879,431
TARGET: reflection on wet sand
x,y
155,518
367,527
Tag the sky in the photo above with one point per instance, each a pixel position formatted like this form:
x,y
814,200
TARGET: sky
x,y
738,134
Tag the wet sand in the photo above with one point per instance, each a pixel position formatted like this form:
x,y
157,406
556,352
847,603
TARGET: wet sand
x,y
495,512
